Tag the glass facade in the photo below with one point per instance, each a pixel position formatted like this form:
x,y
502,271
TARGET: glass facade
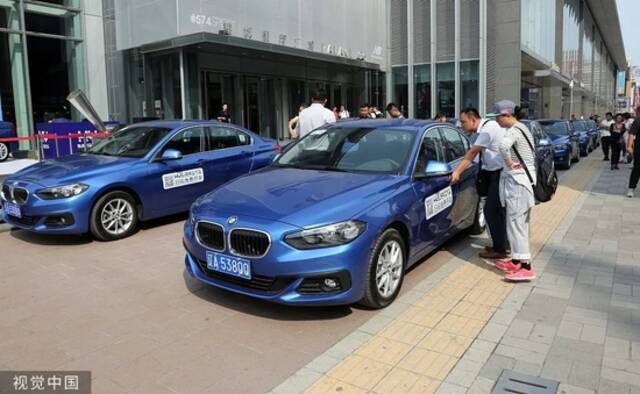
x,y
538,27
571,38
42,61
436,96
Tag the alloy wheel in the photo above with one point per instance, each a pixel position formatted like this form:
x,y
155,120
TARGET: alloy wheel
x,y
389,268
116,216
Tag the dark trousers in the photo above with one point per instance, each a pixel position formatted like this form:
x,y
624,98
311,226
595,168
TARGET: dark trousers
x,y
495,214
604,141
615,144
635,173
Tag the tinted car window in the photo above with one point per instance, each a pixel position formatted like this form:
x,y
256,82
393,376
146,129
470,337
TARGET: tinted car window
x,y
187,142
374,150
225,137
557,128
580,126
130,141
453,144
431,149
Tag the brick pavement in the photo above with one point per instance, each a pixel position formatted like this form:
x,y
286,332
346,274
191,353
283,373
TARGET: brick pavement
x,y
456,331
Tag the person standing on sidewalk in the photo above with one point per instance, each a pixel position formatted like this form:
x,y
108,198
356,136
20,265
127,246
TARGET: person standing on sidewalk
x,y
316,115
490,136
633,149
516,190
605,126
616,140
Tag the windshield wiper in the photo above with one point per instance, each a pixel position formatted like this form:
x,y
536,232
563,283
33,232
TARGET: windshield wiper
x,y
323,168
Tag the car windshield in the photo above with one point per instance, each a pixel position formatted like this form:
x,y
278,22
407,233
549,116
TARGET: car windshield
x,y
580,126
130,142
556,128
349,149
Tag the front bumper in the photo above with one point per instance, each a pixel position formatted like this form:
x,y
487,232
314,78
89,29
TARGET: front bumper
x,y
44,216
287,275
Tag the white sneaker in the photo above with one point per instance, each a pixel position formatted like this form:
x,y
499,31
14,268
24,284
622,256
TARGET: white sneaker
x,y
630,193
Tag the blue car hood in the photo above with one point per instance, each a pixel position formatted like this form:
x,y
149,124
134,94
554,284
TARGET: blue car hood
x,y
72,168
301,198
559,139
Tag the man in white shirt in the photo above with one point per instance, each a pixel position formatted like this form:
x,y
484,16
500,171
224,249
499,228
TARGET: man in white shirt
x,y
490,135
605,133
316,115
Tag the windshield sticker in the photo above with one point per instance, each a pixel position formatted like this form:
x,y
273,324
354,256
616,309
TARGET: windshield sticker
x,y
438,202
183,178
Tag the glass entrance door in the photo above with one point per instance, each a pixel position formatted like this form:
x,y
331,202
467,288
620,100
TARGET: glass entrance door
x,y
219,89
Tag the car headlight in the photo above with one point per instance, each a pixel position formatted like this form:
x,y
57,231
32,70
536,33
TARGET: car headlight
x,y
326,236
58,192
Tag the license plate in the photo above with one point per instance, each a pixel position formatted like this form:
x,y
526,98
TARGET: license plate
x,y
12,209
229,265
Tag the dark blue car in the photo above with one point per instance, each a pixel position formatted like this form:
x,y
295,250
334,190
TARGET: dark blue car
x,y
566,147
7,130
143,171
338,218
544,148
584,133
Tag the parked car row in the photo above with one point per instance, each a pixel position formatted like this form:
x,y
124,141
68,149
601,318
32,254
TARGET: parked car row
x,y
335,219
570,139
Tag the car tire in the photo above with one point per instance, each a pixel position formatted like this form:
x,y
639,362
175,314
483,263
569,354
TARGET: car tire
x,y
114,216
479,223
373,297
567,164
4,151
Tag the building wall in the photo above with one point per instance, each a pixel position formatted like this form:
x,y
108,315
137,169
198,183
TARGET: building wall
x,y
96,68
505,67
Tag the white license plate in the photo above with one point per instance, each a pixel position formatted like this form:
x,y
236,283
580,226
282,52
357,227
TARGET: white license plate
x,y
12,209
229,265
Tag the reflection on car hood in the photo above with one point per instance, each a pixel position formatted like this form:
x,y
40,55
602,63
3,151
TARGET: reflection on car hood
x,y
302,198
73,168
559,139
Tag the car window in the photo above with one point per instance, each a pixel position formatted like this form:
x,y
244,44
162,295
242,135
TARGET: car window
x,y
431,149
453,145
557,128
187,142
133,141
352,149
226,137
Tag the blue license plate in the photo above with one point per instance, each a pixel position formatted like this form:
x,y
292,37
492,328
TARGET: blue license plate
x,y
12,209
229,265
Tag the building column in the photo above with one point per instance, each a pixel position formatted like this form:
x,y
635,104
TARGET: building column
x,y
411,93
20,77
553,106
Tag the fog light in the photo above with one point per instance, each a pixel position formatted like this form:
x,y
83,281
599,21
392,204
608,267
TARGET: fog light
x,y
330,284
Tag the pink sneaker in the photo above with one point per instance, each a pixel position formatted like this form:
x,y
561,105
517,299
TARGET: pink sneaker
x,y
521,275
507,266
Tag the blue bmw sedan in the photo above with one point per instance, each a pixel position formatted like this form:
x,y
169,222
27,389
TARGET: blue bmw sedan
x,y
566,145
338,218
141,172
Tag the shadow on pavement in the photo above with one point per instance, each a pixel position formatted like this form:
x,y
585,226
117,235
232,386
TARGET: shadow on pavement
x,y
256,307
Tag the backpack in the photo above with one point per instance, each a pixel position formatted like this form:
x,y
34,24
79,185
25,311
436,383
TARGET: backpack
x,y
546,181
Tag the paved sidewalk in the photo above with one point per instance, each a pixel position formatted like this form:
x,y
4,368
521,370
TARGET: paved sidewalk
x,y
459,328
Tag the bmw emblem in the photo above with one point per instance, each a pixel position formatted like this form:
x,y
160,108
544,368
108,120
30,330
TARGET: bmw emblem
x,y
232,220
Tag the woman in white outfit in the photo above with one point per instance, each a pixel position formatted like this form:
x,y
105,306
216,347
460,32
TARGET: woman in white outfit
x,y
516,191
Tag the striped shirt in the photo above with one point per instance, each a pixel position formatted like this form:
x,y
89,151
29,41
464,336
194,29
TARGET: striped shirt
x,y
515,138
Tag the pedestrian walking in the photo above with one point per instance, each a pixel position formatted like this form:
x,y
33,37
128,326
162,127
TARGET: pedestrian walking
x,y
633,148
487,144
336,113
605,126
344,114
394,111
628,121
293,123
224,114
316,115
616,140
516,190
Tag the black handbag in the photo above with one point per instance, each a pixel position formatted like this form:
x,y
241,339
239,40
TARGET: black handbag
x,y
546,181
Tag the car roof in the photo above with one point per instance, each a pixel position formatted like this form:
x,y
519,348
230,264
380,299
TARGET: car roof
x,y
174,124
405,124
551,120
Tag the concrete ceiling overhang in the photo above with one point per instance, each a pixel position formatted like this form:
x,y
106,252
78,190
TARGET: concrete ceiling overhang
x,y
605,13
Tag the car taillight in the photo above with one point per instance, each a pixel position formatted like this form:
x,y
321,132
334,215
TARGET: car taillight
x,y
277,148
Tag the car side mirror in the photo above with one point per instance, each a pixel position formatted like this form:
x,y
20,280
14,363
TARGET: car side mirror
x,y
171,154
435,169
